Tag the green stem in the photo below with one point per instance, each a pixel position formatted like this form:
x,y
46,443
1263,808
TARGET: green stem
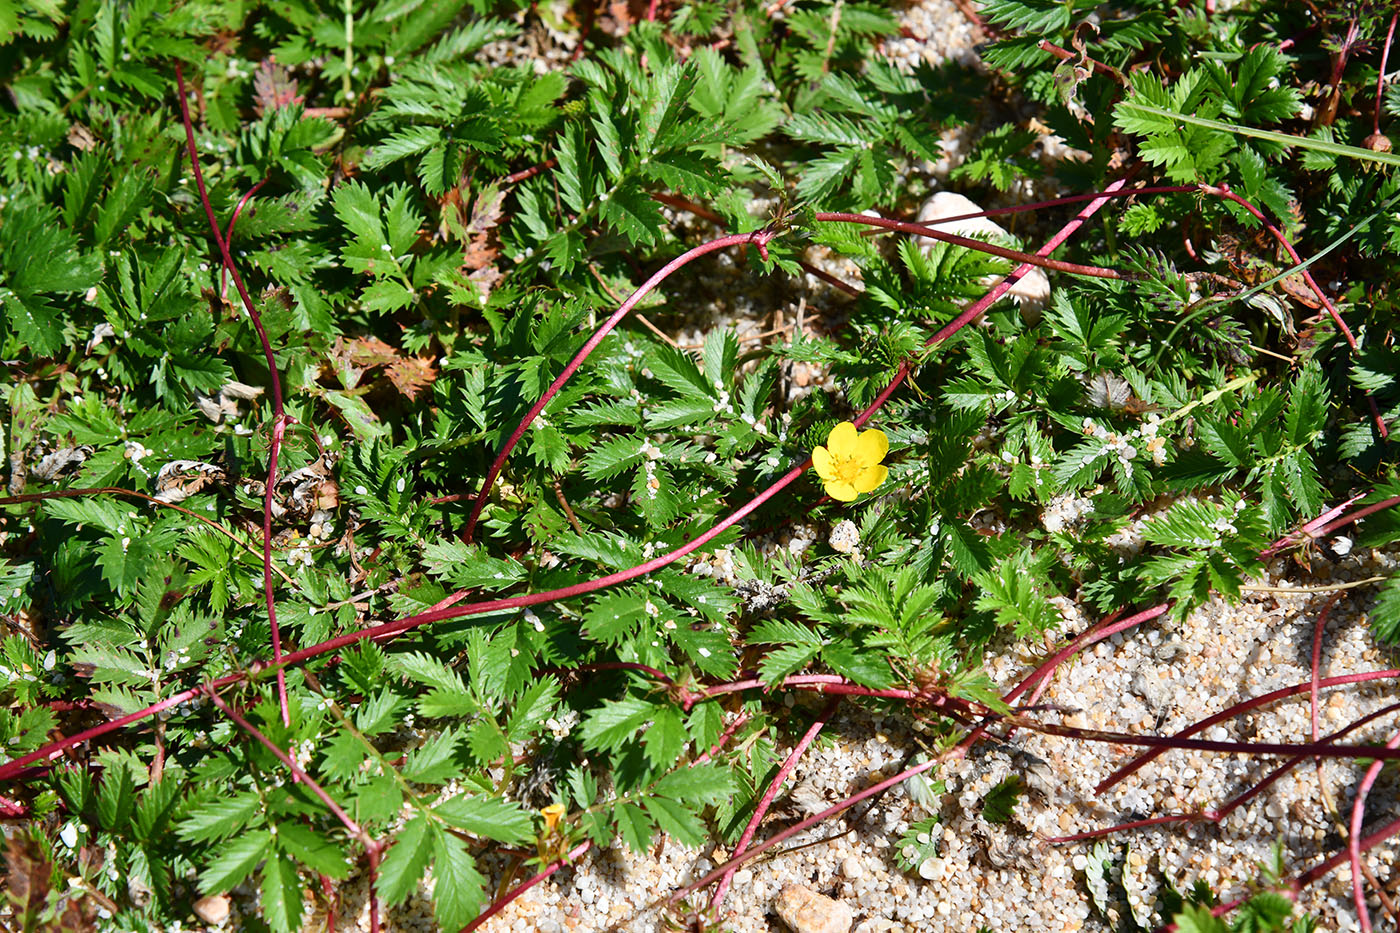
x,y
1283,139
347,92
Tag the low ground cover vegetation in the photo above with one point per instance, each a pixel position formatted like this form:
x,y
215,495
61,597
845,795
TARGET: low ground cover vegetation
x,y
373,507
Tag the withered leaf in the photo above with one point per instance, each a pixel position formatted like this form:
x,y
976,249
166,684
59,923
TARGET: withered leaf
x,y
273,87
411,375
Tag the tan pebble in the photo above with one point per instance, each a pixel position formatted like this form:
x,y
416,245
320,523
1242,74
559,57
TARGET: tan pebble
x,y
213,909
806,911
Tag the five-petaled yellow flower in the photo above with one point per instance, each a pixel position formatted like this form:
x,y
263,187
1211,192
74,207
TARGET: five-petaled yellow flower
x,y
849,464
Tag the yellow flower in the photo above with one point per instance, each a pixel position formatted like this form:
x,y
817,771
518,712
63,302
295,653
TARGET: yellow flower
x,y
849,464
552,815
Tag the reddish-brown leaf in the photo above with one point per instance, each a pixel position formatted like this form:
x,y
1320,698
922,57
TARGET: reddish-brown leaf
x,y
411,375
273,87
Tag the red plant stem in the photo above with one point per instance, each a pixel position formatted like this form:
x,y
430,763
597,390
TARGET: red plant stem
x,y
724,738
681,204
758,238
530,172
332,901
1380,78
631,573
345,819
451,599
1331,862
228,234
1235,710
1358,816
373,894
829,279
822,683
279,415
1068,199
1034,259
771,794
1064,54
1223,191
1318,629
53,750
1360,514
793,830
500,904
975,310
1163,743
1216,816
1041,676
1308,530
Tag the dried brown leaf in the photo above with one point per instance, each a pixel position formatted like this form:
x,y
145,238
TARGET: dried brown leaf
x,y
273,87
411,375
28,880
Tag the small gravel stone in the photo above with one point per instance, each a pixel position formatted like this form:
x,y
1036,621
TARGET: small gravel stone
x,y
806,911
213,909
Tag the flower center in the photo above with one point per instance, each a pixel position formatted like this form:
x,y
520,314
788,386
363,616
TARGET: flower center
x,y
846,468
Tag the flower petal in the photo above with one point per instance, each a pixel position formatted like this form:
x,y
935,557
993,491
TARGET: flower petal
x,y
821,462
872,446
836,489
842,440
870,478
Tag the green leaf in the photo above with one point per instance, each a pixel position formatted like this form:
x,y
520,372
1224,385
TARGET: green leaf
x,y
358,209
999,803
665,739
282,901
708,784
402,869
1198,919
234,861
363,421
406,142
676,819
115,798
459,889
489,817
615,616
610,726
1385,614
634,826
312,850
434,762
634,214
219,818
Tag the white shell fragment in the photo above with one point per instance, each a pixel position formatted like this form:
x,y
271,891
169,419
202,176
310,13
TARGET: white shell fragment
x,y
1033,289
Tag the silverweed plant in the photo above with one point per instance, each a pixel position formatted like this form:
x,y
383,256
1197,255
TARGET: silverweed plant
x,y
371,515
